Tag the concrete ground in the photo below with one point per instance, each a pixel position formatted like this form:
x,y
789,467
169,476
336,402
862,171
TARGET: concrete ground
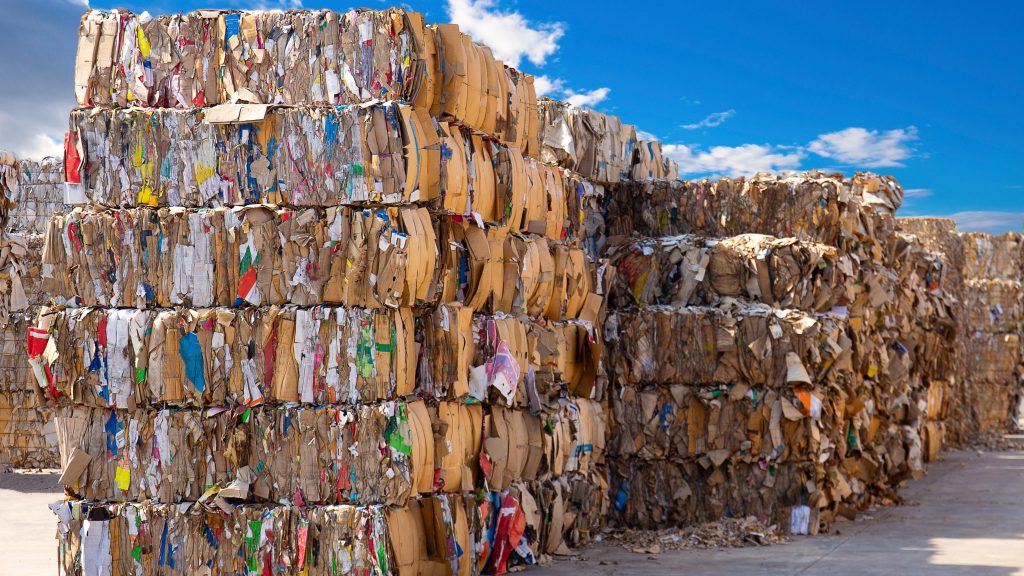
x,y
27,527
965,517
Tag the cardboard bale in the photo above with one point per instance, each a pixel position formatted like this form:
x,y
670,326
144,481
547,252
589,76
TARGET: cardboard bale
x,y
734,422
40,193
174,538
929,315
220,156
209,57
939,235
660,494
994,305
754,344
993,257
995,357
481,92
29,193
850,214
599,147
224,356
507,360
266,255
940,340
252,255
363,455
693,271
994,404
27,435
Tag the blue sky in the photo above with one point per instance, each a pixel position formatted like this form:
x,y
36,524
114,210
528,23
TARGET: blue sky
x,y
927,91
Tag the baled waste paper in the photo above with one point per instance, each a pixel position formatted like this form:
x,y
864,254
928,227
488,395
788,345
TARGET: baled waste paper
x,y
337,293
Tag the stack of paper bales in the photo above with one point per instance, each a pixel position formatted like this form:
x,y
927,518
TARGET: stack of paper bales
x,y
34,190
319,305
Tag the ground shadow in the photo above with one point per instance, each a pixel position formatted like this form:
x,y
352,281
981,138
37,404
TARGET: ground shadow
x,y
30,482
964,518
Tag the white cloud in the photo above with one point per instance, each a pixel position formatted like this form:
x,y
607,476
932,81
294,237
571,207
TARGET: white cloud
x,y
556,88
588,98
916,192
855,147
545,86
991,221
39,38
510,35
867,148
733,160
36,133
644,135
267,5
42,145
711,120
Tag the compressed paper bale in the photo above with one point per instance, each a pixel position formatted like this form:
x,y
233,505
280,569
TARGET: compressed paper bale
x,y
302,456
702,345
302,157
323,355
370,454
39,194
659,494
226,356
940,235
993,306
993,404
735,422
693,270
298,57
292,156
993,257
852,214
994,357
264,255
165,538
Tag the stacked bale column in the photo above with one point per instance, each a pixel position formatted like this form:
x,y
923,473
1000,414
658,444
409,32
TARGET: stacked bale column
x,y
993,324
930,262
283,303
27,438
841,435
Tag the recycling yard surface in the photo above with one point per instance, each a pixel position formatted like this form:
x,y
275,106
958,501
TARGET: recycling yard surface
x,y
27,527
964,517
